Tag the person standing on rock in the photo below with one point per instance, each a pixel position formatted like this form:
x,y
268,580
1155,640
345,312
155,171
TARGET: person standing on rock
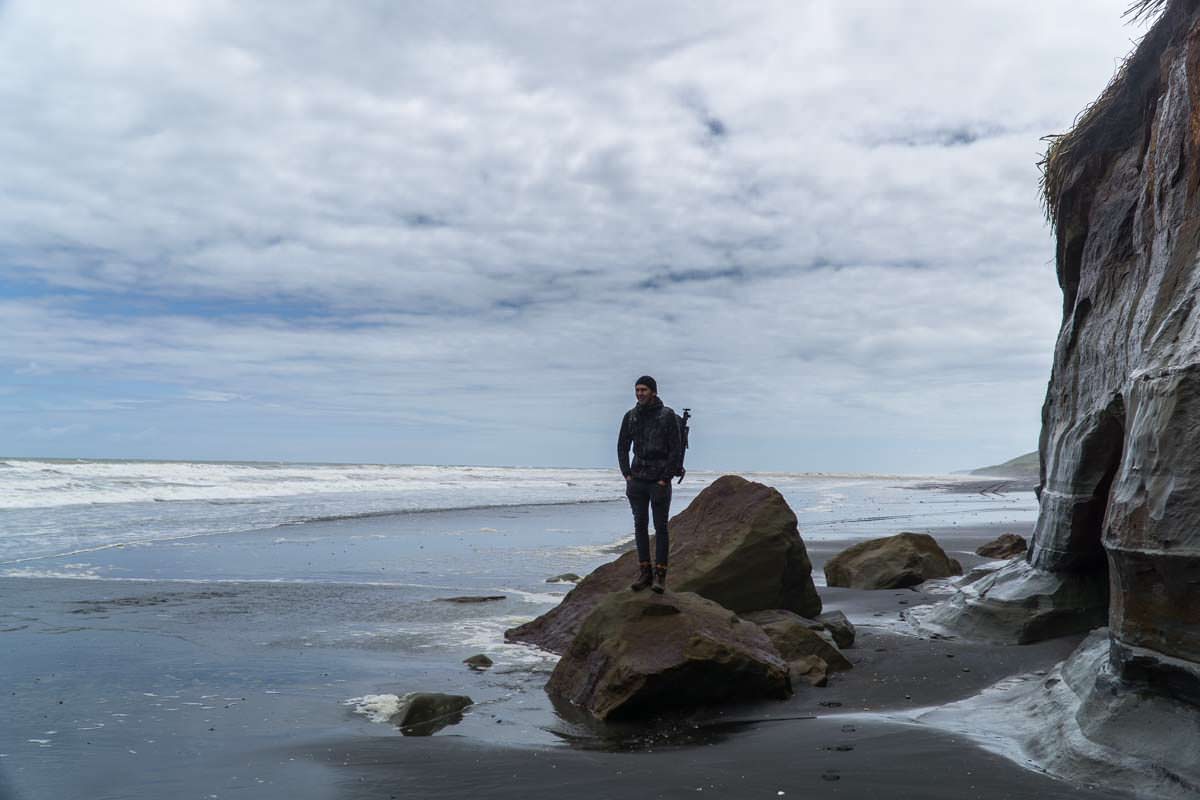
x,y
653,430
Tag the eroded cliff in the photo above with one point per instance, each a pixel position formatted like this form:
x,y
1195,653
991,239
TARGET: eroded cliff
x,y
1121,422
1120,442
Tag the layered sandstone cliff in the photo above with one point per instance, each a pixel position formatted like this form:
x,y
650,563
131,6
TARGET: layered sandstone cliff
x,y
1120,443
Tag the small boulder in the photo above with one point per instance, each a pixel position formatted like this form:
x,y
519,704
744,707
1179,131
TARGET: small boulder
x,y
737,544
796,637
566,577
774,615
638,653
425,713
811,669
1006,545
893,562
839,627
478,662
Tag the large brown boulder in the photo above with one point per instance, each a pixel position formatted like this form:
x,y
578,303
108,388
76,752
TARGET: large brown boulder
x,y
893,562
736,544
638,652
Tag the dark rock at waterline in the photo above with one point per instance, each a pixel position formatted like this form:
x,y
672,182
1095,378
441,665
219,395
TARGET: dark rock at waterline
x,y
1006,545
479,661
737,544
425,713
637,653
795,637
566,577
893,562
489,598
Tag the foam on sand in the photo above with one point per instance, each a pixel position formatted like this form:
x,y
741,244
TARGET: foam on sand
x,y
377,707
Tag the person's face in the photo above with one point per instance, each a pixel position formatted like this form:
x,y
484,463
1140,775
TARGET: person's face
x,y
644,395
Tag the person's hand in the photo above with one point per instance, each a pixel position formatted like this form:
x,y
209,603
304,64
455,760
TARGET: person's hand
x,y
662,483
627,479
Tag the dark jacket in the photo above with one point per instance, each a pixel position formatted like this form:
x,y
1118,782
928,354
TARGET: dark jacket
x,y
653,430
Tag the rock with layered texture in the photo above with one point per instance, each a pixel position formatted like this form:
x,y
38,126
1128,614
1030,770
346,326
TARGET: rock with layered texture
x,y
1018,604
638,653
893,562
736,544
1122,415
1120,494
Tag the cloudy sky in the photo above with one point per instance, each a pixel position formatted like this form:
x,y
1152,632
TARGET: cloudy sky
x,y
456,232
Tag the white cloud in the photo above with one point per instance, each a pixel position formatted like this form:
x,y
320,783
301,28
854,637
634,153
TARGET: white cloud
x,y
54,432
819,216
210,396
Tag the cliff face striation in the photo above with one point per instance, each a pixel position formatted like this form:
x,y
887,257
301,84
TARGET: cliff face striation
x,y
1121,422
1120,442
1117,539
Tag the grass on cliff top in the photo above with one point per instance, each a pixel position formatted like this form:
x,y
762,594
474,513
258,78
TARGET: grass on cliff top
x,y
1108,123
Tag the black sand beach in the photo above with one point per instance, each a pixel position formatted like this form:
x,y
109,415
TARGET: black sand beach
x,y
231,693
852,739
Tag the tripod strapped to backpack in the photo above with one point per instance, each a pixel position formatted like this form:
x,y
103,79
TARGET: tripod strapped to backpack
x,y
683,440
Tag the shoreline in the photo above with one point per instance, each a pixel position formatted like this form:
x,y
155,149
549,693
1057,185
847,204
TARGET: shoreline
x,y
251,676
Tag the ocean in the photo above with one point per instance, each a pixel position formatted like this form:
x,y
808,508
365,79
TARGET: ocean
x,y
156,613
52,508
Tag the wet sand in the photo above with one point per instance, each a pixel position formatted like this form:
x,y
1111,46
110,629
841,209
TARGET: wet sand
x,y
829,757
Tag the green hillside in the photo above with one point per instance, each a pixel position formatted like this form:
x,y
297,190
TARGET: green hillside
x,y
1025,466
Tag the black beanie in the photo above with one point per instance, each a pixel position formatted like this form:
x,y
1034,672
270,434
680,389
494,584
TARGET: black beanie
x,y
648,382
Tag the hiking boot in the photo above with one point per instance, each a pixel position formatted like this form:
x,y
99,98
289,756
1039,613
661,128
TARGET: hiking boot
x,y
660,578
644,577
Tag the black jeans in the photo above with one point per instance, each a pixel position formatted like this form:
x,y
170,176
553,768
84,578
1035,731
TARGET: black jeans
x,y
644,496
